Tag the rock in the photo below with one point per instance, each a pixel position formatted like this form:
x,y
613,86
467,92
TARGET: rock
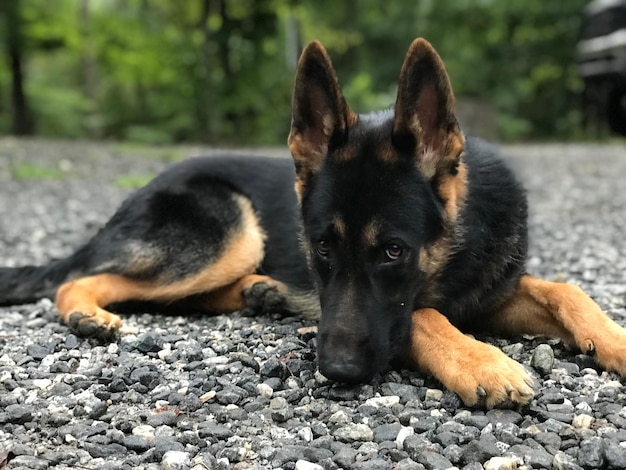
x,y
543,359
408,464
504,417
280,410
387,401
175,460
582,421
434,394
265,390
104,450
345,457
433,461
592,453
535,456
481,450
403,433
274,368
501,463
37,351
148,342
387,432
305,465
615,455
18,414
138,444
562,461
354,433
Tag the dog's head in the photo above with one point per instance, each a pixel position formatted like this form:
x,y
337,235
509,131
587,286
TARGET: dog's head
x,y
378,194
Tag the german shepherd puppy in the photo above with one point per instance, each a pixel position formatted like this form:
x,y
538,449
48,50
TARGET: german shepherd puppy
x,y
403,232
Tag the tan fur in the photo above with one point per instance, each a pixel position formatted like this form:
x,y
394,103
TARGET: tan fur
x,y
87,296
340,227
563,310
370,234
468,367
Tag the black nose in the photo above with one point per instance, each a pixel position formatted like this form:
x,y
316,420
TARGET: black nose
x,y
346,368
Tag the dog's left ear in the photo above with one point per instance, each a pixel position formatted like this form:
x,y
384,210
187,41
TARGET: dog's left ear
x,y
424,122
320,116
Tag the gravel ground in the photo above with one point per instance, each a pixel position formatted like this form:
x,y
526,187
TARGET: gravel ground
x,y
235,392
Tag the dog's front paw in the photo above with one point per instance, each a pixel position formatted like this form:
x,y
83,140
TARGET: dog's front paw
x,y
263,297
488,377
608,348
99,324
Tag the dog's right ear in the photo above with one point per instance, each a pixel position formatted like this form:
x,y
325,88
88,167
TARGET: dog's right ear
x,y
320,117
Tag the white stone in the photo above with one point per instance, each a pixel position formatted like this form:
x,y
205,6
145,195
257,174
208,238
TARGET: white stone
x,y
144,430
379,402
306,434
405,431
306,465
175,460
582,421
501,463
265,390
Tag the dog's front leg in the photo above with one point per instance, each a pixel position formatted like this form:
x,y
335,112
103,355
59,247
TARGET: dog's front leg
x,y
563,310
478,372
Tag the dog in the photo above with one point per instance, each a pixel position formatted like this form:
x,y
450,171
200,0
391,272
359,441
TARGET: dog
x,y
401,235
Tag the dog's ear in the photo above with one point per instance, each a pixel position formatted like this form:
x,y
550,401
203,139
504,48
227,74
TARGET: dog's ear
x,y
320,116
424,121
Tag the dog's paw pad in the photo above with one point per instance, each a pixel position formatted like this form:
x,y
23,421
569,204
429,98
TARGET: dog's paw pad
x,y
91,326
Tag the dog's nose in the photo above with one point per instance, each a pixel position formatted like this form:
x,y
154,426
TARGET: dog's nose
x,y
345,368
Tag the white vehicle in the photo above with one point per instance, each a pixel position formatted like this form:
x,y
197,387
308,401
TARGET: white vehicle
x,y
601,56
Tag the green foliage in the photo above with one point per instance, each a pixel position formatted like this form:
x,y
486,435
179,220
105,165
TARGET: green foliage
x,y
221,71
132,181
29,171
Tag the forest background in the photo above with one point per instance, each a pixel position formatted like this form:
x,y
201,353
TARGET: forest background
x,y
221,71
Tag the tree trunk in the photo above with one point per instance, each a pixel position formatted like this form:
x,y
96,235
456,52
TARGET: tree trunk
x,y
22,118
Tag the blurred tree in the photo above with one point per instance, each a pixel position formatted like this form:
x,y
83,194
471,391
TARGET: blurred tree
x,y
22,123
221,71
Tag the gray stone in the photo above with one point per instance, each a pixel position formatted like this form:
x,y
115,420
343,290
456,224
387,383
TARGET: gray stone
x,y
481,450
433,461
280,410
409,464
18,414
592,453
503,417
543,359
615,455
105,450
562,461
535,456
138,444
345,457
386,432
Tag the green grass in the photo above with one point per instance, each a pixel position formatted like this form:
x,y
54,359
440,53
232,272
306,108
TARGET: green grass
x,y
31,171
132,181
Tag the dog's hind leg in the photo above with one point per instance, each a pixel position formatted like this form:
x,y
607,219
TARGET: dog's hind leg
x,y
82,302
546,308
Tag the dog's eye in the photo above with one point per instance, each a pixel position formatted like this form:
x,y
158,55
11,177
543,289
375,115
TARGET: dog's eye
x,y
393,252
323,248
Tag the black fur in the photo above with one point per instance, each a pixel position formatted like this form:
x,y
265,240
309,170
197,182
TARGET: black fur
x,y
180,222
370,207
366,300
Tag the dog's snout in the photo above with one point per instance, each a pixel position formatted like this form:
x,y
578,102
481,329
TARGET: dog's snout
x,y
345,367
